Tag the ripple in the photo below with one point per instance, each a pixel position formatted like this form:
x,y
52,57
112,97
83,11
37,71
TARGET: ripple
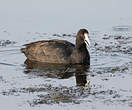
x,y
122,28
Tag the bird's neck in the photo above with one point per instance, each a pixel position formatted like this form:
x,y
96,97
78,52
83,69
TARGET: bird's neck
x,y
81,47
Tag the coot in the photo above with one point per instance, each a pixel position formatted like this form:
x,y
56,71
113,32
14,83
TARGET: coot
x,y
60,51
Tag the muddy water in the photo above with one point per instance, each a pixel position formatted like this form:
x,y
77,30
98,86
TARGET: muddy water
x,y
26,85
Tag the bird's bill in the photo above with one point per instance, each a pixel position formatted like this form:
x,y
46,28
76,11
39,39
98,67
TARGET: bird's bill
x,y
86,39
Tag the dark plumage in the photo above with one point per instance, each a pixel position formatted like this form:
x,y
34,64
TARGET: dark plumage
x,y
60,51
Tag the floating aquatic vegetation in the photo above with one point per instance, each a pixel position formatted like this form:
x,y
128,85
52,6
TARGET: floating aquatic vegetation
x,y
6,42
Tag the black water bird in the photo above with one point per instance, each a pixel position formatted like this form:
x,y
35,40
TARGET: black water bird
x,y
60,51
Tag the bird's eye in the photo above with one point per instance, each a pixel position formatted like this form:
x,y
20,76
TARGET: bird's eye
x,y
82,35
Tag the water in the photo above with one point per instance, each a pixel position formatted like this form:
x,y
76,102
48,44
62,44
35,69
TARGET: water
x,y
39,87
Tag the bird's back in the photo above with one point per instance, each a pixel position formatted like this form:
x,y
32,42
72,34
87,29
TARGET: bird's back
x,y
49,51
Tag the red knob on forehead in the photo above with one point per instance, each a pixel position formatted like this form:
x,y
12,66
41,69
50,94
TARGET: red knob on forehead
x,y
85,32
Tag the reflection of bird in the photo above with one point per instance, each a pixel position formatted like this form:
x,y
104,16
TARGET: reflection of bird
x,y
59,71
60,51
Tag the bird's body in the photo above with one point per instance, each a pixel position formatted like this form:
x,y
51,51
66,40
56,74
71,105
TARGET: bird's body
x,y
57,51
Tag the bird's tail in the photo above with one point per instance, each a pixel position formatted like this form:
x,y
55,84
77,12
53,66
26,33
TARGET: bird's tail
x,y
23,50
